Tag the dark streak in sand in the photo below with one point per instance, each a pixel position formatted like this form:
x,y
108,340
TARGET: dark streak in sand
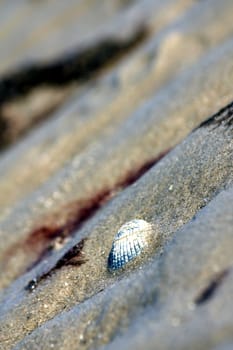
x,y
74,257
223,117
211,288
77,65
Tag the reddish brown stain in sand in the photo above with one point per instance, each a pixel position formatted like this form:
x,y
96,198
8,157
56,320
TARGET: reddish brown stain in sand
x,y
135,174
44,239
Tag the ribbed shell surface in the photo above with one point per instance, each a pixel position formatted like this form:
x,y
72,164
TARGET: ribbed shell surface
x,y
128,243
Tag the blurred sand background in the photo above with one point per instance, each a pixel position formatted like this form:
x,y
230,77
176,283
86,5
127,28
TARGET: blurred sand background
x,y
111,111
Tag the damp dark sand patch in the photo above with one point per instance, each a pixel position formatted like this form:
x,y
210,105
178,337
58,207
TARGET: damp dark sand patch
x,y
77,66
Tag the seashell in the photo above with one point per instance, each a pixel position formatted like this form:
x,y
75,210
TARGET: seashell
x,y
130,241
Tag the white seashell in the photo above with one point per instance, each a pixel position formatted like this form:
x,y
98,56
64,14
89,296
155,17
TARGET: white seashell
x,y
130,241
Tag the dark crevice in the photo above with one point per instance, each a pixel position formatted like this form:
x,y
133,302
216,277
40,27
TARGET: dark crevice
x,y
223,117
74,66
3,131
74,257
43,240
9,133
209,291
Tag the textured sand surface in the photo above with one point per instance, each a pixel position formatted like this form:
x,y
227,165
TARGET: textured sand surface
x,y
111,111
